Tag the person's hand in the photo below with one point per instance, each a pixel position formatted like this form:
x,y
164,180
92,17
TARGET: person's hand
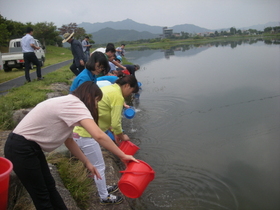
x,y
93,170
121,137
125,137
117,140
82,62
126,106
127,158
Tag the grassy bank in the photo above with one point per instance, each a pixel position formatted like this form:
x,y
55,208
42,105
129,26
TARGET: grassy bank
x,y
75,178
29,95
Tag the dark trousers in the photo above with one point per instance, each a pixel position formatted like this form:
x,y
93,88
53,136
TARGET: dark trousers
x,y
76,69
30,165
87,55
30,57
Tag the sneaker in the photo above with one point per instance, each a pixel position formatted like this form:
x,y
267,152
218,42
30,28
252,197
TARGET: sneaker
x,y
40,78
111,199
112,189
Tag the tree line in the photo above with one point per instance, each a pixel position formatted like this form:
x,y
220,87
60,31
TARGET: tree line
x,y
46,32
231,32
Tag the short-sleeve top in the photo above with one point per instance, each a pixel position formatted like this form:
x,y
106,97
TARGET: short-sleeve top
x,y
52,121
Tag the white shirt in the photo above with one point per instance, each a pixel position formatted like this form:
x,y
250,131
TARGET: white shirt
x,y
112,66
25,43
103,83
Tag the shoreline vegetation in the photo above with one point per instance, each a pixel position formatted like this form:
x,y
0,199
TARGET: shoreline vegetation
x,y
198,40
23,98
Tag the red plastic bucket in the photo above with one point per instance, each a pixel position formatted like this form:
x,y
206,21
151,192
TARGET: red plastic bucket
x,y
128,147
5,169
135,179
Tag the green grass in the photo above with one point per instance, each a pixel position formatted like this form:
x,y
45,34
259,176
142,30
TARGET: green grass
x,y
75,178
57,54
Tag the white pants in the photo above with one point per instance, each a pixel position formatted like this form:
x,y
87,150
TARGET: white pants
x,y
92,151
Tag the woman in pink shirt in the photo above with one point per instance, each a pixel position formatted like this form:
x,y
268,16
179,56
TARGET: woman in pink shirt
x,y
45,128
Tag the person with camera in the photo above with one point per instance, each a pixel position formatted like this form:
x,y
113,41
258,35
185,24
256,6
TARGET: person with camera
x,y
86,46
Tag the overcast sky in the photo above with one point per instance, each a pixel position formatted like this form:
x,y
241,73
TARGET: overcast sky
x,y
210,14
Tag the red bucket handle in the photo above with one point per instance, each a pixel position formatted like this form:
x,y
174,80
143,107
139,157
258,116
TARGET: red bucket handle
x,y
145,172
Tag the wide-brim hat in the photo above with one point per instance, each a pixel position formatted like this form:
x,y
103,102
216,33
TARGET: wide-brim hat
x,y
67,36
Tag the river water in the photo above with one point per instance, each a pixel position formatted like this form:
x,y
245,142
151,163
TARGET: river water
x,y
208,123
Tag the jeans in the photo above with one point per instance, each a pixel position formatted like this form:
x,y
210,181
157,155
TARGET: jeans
x,y
92,151
87,55
31,167
30,57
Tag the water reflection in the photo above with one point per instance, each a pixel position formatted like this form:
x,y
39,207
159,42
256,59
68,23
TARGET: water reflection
x,y
186,47
208,123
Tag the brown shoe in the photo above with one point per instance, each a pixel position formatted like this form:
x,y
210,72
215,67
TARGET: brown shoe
x,y
40,78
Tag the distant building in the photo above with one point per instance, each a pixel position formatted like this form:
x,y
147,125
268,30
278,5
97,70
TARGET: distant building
x,y
177,34
167,32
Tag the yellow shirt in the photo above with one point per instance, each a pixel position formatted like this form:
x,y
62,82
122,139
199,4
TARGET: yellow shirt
x,y
109,110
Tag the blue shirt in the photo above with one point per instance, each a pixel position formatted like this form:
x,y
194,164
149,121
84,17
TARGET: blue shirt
x,y
84,76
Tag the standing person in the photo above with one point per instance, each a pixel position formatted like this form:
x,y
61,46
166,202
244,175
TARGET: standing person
x,y
96,65
86,47
79,60
29,56
45,128
120,50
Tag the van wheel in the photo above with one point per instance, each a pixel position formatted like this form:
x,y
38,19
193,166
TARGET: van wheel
x,y
7,69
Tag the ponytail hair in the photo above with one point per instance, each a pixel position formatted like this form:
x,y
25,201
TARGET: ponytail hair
x,y
87,92
128,79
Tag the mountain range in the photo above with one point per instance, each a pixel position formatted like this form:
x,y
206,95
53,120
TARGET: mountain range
x,y
129,30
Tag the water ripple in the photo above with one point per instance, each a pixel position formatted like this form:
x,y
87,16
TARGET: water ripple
x,y
190,188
